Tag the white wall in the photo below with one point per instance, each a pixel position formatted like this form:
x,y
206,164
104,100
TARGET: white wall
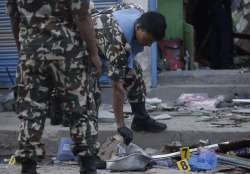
x,y
143,3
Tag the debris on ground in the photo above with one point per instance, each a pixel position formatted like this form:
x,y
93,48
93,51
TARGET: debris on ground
x,y
226,157
7,102
220,158
199,101
164,116
217,112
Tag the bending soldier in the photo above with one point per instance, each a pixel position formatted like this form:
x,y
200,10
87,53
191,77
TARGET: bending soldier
x,y
122,31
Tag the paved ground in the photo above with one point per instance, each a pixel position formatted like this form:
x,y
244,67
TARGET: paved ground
x,y
186,129
75,170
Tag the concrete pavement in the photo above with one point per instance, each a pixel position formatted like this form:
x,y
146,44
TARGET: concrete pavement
x,y
186,129
75,170
214,82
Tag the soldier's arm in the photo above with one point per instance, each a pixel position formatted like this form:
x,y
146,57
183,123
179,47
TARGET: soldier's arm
x,y
117,53
118,98
12,11
87,33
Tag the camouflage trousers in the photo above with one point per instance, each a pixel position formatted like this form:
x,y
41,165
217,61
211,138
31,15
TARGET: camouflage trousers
x,y
134,84
113,46
76,87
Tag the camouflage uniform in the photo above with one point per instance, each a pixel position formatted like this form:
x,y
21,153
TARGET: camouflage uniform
x,y
114,46
53,59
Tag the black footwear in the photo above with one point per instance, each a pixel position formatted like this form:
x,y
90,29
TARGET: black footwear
x,y
87,165
142,121
147,125
28,167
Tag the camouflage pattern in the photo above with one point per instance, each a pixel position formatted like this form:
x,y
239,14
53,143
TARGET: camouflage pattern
x,y
119,6
36,39
114,46
134,84
50,60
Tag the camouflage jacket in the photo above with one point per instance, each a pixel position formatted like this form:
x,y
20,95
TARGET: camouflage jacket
x,y
111,40
39,42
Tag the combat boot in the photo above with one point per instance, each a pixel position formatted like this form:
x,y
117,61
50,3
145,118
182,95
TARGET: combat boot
x,y
87,165
143,122
28,167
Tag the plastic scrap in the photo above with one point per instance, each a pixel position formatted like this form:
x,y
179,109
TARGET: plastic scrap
x,y
199,101
167,107
64,152
150,108
203,160
153,101
129,158
120,157
131,162
162,117
108,149
7,102
164,162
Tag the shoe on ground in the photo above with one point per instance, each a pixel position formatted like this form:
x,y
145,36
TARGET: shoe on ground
x,y
147,125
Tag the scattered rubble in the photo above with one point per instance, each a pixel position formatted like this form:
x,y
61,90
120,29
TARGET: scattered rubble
x,y
7,102
214,160
200,105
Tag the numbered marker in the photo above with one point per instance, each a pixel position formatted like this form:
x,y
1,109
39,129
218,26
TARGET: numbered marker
x,y
185,153
183,165
12,160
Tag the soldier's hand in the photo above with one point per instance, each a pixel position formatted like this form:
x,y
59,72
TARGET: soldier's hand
x,y
97,63
126,133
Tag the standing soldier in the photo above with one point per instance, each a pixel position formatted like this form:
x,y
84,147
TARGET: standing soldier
x,y
56,42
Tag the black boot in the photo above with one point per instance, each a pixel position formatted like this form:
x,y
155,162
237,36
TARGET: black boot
x,y
87,165
142,121
28,167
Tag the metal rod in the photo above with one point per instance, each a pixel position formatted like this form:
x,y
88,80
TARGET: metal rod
x,y
175,154
236,161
